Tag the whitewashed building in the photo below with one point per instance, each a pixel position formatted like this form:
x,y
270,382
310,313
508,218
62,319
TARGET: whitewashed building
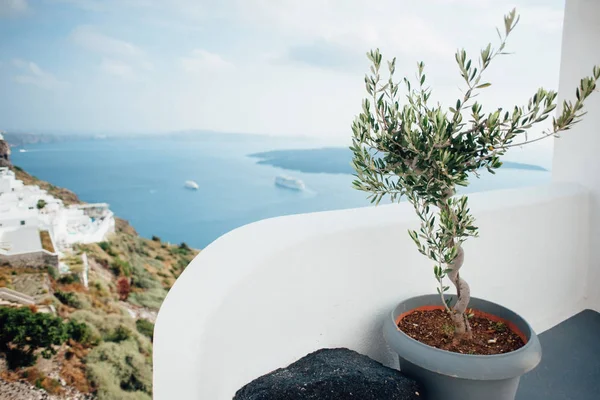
x,y
27,211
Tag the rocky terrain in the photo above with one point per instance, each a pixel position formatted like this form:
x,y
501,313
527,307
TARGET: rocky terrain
x,y
111,358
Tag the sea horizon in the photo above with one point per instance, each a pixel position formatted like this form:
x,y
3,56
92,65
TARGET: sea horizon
x,y
143,180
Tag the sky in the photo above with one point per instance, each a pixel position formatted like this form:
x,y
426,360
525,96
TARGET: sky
x,y
278,67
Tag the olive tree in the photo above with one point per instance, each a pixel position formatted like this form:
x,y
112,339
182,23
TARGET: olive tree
x,y
406,147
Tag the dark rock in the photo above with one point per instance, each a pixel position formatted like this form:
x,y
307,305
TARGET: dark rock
x,y
332,374
4,153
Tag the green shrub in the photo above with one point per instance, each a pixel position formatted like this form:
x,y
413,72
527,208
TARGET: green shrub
x,y
159,258
107,247
104,246
119,372
145,282
73,299
120,334
141,278
183,250
52,272
17,358
145,327
182,264
151,298
41,204
155,239
107,327
67,298
120,267
80,332
22,332
69,278
152,262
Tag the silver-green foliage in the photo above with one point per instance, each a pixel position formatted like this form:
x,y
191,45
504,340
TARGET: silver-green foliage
x,y
119,371
150,298
405,146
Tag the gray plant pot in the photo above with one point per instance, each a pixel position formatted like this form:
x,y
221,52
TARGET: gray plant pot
x,y
445,375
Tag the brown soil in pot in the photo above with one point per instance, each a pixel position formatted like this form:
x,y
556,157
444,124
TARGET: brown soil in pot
x,y
433,326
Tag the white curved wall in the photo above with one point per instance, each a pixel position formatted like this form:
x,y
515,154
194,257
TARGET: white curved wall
x,y
268,293
576,152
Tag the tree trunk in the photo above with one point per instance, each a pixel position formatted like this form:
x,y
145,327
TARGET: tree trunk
x,y
462,329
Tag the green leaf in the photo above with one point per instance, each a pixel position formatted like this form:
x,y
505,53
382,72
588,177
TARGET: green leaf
x,y
483,85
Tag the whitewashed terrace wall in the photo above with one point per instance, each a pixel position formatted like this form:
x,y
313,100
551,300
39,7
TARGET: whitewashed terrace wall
x,y
576,152
266,294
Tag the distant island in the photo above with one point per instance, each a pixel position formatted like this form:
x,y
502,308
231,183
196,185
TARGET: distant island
x,y
19,139
24,138
334,160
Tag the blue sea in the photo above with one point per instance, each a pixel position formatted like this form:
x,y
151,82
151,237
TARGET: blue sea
x,y
143,181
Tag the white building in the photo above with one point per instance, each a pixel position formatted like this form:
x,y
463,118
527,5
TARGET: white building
x,y
24,247
86,223
27,210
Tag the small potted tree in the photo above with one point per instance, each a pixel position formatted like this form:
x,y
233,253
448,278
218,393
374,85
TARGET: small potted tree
x,y
459,348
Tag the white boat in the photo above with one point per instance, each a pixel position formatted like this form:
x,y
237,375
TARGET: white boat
x,y
289,183
191,185
22,151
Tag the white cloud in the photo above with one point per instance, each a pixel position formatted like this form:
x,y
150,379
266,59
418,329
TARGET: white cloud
x,y
542,18
32,74
89,38
203,61
469,3
355,24
13,7
90,5
117,68
118,57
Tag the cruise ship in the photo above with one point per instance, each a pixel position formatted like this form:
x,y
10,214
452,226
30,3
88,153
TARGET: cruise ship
x,y
289,183
191,185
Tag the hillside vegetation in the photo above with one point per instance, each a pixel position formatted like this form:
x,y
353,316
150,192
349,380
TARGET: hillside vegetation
x,y
103,345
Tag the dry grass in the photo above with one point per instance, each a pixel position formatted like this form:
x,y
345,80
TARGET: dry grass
x,y
72,287
38,379
65,195
73,369
7,273
122,226
46,241
9,376
161,262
